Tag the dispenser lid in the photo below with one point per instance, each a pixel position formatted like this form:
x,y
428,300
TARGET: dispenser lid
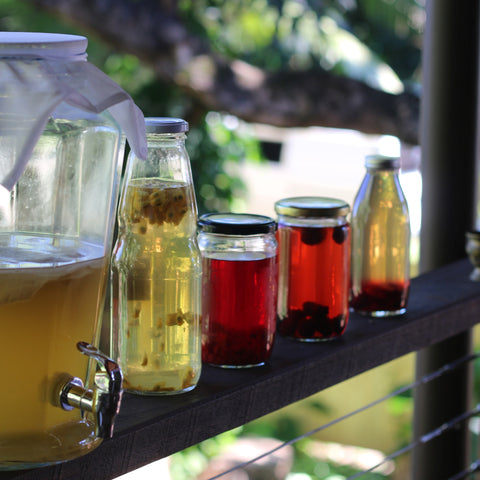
x,y
57,45
319,207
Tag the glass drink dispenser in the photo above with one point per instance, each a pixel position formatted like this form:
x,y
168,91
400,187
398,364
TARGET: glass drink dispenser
x,y
60,158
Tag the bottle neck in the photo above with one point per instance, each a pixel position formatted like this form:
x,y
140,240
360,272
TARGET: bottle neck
x,y
167,160
383,171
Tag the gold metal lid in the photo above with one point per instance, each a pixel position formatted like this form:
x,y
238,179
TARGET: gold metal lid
x,y
312,207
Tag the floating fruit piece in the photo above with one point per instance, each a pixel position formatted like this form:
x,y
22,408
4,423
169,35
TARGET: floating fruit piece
x,y
340,234
313,236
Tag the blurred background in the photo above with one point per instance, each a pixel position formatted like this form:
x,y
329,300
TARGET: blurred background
x,y
283,98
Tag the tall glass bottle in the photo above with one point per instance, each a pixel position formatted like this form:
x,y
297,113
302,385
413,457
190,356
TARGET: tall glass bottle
x,y
156,268
380,241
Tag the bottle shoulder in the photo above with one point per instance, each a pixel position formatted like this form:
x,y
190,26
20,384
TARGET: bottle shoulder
x,y
378,190
381,203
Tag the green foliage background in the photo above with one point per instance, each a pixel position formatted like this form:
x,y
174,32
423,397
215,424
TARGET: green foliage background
x,y
272,34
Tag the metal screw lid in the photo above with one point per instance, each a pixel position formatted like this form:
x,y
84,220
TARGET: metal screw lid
x,y
312,207
382,162
165,125
236,224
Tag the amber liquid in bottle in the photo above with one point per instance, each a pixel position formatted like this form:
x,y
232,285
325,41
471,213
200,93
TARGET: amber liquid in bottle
x,y
157,269
380,246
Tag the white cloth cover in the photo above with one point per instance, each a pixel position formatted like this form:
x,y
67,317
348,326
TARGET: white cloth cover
x,y
30,90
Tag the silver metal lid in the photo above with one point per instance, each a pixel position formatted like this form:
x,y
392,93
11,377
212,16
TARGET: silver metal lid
x,y
57,45
165,125
382,162
319,207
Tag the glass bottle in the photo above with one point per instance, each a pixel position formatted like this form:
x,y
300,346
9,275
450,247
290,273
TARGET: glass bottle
x,y
239,289
156,268
380,241
314,267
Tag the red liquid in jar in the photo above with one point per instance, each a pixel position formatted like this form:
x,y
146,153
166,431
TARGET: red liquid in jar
x,y
381,296
316,267
239,311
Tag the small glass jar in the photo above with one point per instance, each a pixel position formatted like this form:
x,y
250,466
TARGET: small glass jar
x,y
156,268
380,241
239,289
314,267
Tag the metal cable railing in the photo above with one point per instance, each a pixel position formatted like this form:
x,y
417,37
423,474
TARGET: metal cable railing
x,y
429,436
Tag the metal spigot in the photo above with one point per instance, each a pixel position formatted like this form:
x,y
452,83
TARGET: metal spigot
x,y
104,400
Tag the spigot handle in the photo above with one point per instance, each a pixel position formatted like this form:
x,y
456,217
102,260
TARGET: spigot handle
x,y
104,400
109,368
109,389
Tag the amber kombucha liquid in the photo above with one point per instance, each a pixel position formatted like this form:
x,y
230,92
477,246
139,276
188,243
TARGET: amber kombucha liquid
x,y
51,292
157,271
314,277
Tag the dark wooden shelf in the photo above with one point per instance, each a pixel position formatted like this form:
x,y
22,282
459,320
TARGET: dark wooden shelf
x,y
442,303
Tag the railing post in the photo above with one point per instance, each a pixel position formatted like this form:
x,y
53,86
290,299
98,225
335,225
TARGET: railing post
x,y
438,402
448,141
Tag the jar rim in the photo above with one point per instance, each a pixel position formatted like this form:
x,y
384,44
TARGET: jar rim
x,y
236,224
312,207
165,125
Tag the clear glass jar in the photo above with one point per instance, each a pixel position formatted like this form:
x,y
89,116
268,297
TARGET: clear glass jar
x,y
380,241
56,229
239,289
314,262
156,268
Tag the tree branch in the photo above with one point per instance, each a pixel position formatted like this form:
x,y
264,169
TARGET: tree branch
x,y
154,31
